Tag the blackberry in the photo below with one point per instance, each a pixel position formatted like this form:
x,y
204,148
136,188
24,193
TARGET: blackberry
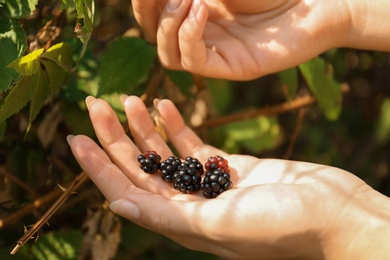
x,y
193,163
217,162
168,167
149,161
187,178
215,182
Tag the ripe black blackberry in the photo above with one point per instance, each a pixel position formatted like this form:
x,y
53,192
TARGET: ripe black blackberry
x,y
215,182
217,162
193,163
187,178
168,167
149,161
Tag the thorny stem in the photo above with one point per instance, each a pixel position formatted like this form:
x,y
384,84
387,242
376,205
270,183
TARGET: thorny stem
x,y
45,218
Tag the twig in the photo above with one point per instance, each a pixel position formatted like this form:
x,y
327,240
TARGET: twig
x,y
295,133
267,111
288,106
44,219
17,181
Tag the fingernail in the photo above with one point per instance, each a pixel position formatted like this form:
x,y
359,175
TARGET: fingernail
x,y
123,98
89,100
155,102
69,138
126,209
173,4
194,9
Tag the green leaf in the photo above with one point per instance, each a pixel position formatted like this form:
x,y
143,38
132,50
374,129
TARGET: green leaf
x,y
57,245
40,95
12,46
86,11
55,75
256,135
182,79
221,92
289,79
61,53
19,96
5,21
20,8
65,4
326,89
27,65
125,65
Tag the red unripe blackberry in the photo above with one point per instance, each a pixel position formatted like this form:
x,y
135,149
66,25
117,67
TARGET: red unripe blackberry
x,y
215,182
149,161
187,177
168,167
217,162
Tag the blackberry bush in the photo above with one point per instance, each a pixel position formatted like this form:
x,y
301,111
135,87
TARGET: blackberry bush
x,y
215,182
149,161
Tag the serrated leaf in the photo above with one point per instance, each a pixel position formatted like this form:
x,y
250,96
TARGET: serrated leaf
x,y
20,8
12,46
326,89
289,79
182,79
27,65
40,95
55,75
125,65
19,96
61,53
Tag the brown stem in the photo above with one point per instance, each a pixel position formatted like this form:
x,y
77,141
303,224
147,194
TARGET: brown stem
x,y
295,133
288,106
17,181
82,178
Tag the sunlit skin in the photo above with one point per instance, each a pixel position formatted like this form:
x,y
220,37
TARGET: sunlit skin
x,y
277,209
246,39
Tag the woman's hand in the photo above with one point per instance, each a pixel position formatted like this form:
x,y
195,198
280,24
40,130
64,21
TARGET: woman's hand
x,y
240,40
277,209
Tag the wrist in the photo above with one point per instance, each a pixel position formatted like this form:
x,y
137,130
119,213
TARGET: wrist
x,y
367,26
362,230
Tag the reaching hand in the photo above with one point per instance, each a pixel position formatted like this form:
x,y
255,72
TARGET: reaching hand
x,y
277,209
236,39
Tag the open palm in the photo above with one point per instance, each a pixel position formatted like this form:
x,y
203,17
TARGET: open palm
x,y
275,208
240,39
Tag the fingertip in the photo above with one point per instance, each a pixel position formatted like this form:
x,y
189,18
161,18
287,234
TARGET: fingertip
x,y
123,98
126,208
88,101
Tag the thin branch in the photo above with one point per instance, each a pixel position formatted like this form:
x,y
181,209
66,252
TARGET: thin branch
x,y
295,133
45,218
288,106
19,182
